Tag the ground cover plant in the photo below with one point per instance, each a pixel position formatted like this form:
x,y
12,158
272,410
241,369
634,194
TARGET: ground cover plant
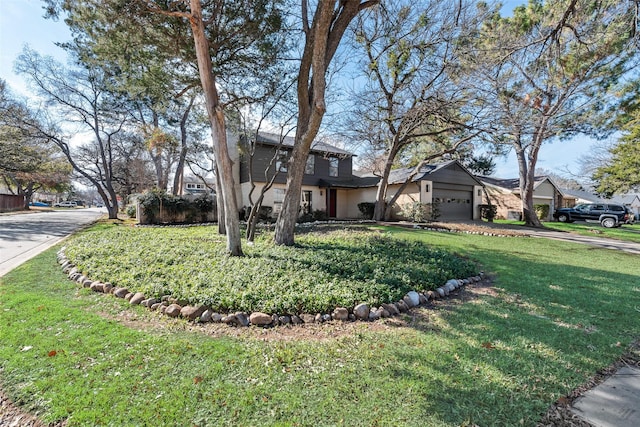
x,y
329,268
558,313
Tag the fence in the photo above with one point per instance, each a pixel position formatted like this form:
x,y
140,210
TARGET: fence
x,y
9,202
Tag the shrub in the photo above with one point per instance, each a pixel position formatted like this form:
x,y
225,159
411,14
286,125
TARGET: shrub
x,y
488,212
131,211
542,211
161,207
366,209
320,215
420,212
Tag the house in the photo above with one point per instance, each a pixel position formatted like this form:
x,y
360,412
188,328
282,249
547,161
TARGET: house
x,y
196,186
330,185
505,195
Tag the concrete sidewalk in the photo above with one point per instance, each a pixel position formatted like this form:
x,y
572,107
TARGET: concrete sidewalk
x,y
613,403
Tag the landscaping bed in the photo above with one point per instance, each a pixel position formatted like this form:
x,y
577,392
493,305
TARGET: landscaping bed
x,y
329,267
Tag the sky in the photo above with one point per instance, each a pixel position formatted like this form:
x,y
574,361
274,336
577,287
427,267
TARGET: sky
x,y
22,23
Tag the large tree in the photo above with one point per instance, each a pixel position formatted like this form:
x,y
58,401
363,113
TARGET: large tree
x,y
408,105
323,29
547,72
79,106
623,172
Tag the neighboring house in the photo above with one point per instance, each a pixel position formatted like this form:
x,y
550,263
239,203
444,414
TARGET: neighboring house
x,y
330,185
194,186
630,200
505,195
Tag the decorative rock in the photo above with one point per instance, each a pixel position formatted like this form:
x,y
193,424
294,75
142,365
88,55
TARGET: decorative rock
x,y
81,278
441,292
136,298
163,309
326,317
296,320
431,295
73,271
392,309
308,318
449,288
318,318
121,292
155,306
284,320
216,317
341,313
165,298
374,315
361,311
412,299
173,310
206,316
107,288
128,296
96,286
423,299
465,281
152,301
402,306
260,319
87,283
230,319
384,313
192,313
243,318
451,284
352,317
274,319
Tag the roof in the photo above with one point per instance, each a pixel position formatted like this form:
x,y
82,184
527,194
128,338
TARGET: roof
x,y
581,194
626,199
513,184
351,182
399,176
288,141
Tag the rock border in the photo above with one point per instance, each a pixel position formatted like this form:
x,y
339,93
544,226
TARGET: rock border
x,y
171,307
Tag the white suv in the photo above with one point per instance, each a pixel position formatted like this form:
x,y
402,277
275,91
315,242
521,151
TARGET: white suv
x,y
65,205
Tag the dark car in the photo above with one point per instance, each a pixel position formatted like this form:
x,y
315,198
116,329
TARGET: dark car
x,y
609,215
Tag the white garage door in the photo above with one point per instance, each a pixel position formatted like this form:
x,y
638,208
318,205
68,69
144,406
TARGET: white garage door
x,y
453,204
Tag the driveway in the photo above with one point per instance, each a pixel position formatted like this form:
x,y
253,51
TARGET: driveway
x,y
23,236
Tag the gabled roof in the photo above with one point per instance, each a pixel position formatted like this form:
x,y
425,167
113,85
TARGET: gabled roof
x,y
513,184
288,141
399,176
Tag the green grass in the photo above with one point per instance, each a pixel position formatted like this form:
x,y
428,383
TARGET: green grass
x,y
329,268
562,311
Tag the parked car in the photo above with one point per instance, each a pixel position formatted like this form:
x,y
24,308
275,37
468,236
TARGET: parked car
x,y
609,215
65,205
38,204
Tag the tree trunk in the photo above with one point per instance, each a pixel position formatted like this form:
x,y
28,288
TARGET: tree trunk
x,y
526,189
218,131
178,179
379,212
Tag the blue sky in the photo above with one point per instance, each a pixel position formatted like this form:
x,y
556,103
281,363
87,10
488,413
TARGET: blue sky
x,y
21,23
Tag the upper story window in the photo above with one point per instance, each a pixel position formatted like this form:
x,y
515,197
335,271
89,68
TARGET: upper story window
x,y
310,167
281,161
333,166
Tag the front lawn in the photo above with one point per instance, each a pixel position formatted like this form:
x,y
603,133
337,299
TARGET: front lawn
x,y
558,313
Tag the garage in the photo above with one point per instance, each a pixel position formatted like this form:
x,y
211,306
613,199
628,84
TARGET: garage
x,y
455,202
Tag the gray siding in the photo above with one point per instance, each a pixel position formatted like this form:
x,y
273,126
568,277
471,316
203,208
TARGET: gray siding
x,y
264,154
453,174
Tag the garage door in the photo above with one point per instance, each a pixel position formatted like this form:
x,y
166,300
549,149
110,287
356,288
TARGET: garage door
x,y
453,204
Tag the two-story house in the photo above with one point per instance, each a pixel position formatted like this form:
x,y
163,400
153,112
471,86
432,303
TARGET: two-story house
x,y
329,183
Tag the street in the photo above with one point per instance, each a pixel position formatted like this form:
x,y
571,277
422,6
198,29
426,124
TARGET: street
x,y
25,235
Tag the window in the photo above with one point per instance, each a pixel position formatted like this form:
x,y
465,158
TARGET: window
x,y
306,202
310,167
281,161
333,166
278,198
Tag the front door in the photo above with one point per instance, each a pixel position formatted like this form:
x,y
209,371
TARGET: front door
x,y
332,198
